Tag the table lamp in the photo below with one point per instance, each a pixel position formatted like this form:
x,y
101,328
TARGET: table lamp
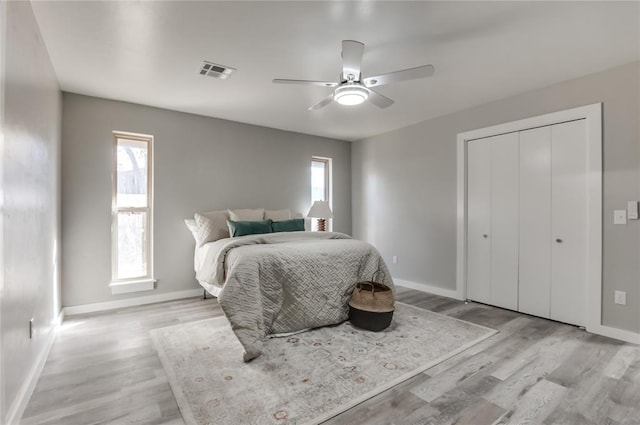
x,y
321,211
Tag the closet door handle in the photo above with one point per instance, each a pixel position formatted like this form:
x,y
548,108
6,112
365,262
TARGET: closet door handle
x,y
558,240
485,235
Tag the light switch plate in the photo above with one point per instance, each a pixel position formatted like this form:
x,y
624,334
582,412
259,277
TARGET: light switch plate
x,y
620,297
620,217
632,210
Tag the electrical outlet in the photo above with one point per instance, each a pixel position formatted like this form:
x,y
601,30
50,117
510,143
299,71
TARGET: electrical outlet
x,y
395,259
620,297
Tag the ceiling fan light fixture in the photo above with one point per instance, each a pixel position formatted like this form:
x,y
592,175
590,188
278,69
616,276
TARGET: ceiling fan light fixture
x,y
351,95
351,88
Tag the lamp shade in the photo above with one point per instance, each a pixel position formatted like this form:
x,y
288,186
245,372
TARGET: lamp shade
x,y
320,209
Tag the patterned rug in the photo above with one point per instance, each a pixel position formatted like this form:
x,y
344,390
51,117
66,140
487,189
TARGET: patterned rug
x,y
306,378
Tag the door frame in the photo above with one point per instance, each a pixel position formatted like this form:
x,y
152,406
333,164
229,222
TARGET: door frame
x,y
3,38
593,116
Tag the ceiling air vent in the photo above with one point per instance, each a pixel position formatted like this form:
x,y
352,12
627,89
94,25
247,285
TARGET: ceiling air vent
x,y
215,70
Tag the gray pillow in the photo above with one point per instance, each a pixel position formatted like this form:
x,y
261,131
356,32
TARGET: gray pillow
x,y
212,226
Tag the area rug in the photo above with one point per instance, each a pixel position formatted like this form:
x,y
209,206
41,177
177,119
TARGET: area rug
x,y
306,378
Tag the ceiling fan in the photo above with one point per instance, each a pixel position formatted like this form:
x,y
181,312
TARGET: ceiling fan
x,y
352,89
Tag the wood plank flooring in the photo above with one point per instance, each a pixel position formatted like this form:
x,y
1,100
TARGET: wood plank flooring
x,y
103,369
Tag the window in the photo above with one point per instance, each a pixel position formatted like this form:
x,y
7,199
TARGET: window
x,y
321,183
132,211
320,179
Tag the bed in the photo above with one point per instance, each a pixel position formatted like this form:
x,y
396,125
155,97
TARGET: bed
x,y
284,282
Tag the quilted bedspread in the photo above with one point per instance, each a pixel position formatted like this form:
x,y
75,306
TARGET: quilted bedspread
x,y
287,282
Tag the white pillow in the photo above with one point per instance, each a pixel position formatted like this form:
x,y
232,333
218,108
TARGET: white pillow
x,y
246,215
277,215
193,227
212,226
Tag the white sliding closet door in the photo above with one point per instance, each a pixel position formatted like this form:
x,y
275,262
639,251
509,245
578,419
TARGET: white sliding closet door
x,y
479,221
504,220
532,215
569,196
492,220
535,222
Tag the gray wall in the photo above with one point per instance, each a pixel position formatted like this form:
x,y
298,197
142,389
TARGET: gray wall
x,y
30,166
201,164
404,184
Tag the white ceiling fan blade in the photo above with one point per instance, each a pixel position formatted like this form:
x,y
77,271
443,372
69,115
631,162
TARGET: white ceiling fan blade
x,y
306,82
324,102
397,76
379,100
351,58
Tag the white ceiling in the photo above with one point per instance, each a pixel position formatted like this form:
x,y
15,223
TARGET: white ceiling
x,y
149,53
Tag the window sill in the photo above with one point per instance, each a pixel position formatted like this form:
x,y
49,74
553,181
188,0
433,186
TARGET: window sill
x,y
132,286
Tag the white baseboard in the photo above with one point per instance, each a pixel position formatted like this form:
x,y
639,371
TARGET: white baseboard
x,y
17,408
615,333
130,302
608,331
431,289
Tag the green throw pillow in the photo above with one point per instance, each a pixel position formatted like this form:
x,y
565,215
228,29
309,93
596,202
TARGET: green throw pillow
x,y
242,228
293,225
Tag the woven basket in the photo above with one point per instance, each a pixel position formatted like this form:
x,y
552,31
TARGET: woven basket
x,y
372,304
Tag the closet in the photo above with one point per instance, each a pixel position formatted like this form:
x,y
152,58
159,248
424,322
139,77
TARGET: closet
x,y
527,221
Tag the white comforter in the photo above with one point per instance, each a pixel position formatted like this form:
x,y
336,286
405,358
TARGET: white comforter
x,y
286,282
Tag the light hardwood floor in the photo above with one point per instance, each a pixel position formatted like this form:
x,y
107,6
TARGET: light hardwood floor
x,y
103,369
